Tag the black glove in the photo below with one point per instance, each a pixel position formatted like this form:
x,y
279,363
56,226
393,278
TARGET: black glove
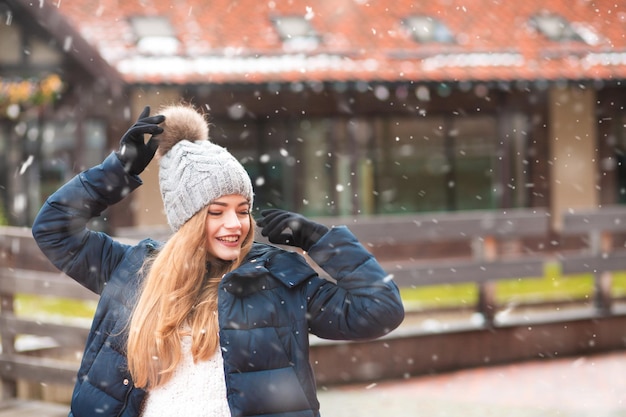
x,y
303,233
134,152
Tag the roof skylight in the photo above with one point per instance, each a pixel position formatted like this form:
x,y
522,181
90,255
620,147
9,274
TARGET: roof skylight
x,y
555,27
154,35
426,29
296,32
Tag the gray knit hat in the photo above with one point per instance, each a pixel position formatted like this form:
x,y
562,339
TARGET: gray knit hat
x,y
193,172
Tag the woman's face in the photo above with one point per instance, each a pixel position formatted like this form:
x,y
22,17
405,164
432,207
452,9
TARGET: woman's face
x,y
228,224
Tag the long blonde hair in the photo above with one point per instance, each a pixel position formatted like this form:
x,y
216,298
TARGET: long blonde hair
x,y
178,297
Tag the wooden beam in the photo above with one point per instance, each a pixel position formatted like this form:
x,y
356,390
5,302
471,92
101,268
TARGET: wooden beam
x,y
13,281
65,335
44,370
414,274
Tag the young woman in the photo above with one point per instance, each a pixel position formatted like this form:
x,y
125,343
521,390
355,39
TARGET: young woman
x,y
209,323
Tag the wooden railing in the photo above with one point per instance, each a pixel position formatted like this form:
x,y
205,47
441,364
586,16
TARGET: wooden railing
x,y
489,247
24,270
603,253
419,250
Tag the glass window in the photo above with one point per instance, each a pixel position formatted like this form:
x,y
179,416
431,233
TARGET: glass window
x,y
426,29
517,179
11,42
154,35
57,155
291,163
555,27
296,32
45,53
619,151
474,141
95,142
437,164
4,174
147,26
412,166
246,140
315,170
342,166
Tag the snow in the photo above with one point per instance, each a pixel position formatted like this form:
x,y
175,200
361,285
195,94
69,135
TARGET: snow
x,y
480,59
205,65
605,59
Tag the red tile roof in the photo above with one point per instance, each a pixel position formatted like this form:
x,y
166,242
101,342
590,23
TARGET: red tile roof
x,y
234,41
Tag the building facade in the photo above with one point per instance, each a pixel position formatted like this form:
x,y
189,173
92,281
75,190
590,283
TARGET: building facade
x,y
358,108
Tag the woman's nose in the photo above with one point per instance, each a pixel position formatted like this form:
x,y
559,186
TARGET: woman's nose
x,y
232,221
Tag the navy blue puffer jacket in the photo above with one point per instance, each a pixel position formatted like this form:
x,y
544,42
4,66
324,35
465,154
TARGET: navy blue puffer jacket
x,y
266,307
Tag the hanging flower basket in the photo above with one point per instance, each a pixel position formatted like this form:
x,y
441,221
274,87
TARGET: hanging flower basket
x,y
17,94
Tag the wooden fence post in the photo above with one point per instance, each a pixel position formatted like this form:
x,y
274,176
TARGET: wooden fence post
x,y
7,259
603,299
485,249
601,243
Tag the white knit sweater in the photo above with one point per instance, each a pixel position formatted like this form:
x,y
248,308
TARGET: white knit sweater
x,y
195,390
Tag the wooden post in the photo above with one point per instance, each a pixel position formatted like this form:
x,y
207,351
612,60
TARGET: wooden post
x,y
485,249
9,386
487,302
603,280
603,299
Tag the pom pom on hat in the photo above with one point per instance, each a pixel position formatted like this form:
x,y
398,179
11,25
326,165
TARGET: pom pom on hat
x,y
181,122
193,171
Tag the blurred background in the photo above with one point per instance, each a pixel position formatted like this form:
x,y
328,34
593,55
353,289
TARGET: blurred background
x,y
475,147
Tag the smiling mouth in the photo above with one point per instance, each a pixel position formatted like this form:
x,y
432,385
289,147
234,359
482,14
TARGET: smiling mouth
x,y
228,239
